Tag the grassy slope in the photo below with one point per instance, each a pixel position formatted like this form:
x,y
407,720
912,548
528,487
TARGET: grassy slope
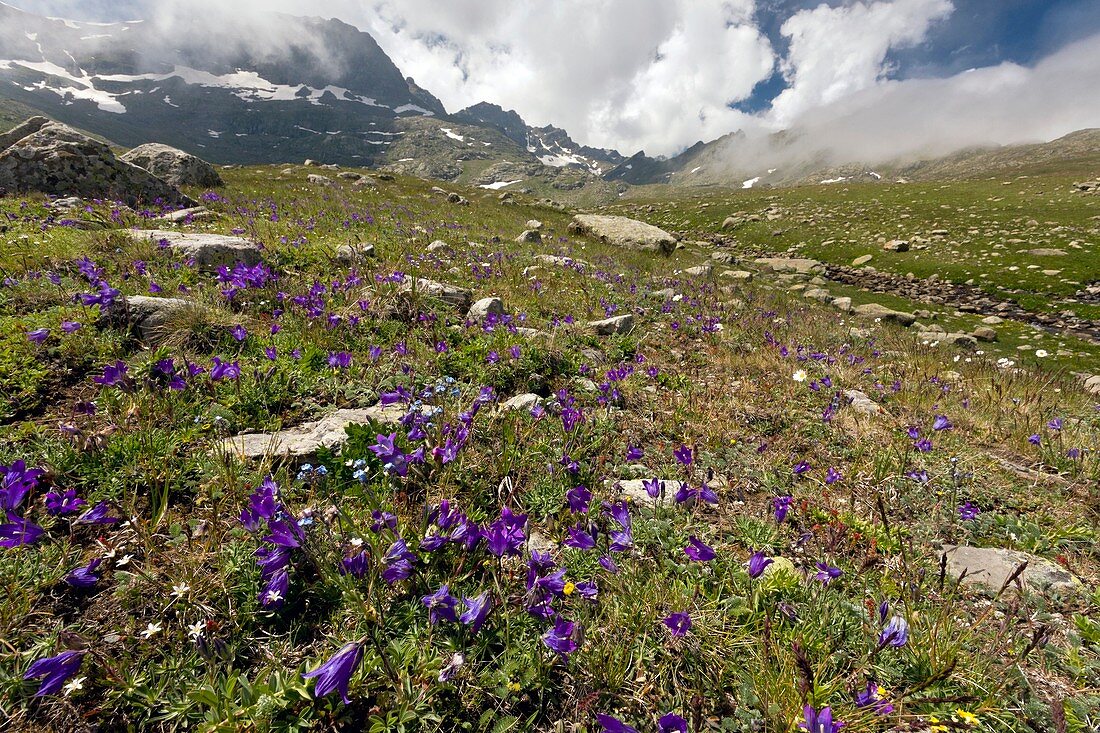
x,y
729,392
990,224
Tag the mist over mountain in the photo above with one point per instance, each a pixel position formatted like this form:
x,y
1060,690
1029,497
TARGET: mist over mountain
x,y
246,85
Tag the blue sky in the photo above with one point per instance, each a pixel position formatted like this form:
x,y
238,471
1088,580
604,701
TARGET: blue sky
x,y
659,75
978,33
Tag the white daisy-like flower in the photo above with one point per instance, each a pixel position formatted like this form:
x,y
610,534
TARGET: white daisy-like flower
x,y
356,541
1042,353
179,591
152,630
800,376
76,683
273,596
195,629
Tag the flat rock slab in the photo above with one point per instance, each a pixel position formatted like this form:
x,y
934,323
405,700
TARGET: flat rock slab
x,y
452,295
989,568
624,232
521,403
861,403
799,266
634,489
612,326
875,310
350,254
151,318
195,213
560,261
209,251
305,440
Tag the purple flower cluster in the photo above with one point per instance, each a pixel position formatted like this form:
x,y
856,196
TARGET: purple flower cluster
x,y
284,535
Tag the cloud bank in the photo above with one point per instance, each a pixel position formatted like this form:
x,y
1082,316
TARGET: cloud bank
x,y
660,75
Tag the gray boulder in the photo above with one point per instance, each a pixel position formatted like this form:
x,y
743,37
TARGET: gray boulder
x,y
174,165
559,261
209,251
792,265
452,295
485,307
861,403
881,312
621,231
612,326
58,160
989,567
150,318
303,442
350,254
521,403
634,489
190,214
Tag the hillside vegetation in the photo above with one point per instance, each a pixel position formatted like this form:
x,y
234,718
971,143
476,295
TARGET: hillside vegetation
x,y
736,513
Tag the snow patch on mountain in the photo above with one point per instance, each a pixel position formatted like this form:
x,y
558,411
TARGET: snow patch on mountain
x,y
246,85
499,185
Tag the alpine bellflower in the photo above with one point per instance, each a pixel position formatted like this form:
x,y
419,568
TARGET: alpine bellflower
x,y
19,531
826,573
84,577
781,505
758,563
874,697
398,561
611,724
895,633
819,721
559,638
969,511
335,674
698,551
477,611
678,623
54,671
441,605
672,723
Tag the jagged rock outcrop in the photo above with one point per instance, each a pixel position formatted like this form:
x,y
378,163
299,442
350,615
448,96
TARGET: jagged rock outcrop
x,y
56,159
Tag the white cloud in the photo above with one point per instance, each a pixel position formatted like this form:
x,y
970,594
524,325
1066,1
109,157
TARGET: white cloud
x,y
659,74
836,52
1002,104
630,74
